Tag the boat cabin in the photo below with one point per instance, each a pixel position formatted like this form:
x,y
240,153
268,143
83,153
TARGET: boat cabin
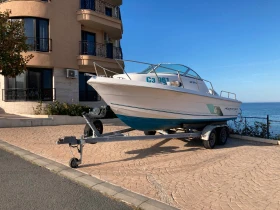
x,y
176,75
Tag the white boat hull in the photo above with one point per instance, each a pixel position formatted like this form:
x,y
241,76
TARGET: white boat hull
x,y
145,106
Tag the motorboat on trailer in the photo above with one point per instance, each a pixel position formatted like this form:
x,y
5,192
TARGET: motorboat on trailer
x,y
164,96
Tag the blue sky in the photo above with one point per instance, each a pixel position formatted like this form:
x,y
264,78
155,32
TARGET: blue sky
x,y
234,44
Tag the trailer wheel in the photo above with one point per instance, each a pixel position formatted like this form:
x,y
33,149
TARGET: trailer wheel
x,y
222,136
211,142
73,163
88,131
150,133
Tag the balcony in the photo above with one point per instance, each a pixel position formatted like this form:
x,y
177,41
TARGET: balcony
x,y
102,16
30,94
100,50
39,44
103,54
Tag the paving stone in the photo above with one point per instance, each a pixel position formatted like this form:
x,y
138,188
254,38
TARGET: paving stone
x,y
155,205
71,173
240,175
88,180
56,167
42,161
131,197
31,157
11,148
108,188
22,152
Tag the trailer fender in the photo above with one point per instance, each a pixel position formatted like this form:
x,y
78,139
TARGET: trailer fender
x,y
208,129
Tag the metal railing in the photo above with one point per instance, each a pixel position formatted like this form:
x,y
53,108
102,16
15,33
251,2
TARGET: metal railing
x,y
39,44
89,96
101,7
101,50
262,127
228,93
154,66
29,94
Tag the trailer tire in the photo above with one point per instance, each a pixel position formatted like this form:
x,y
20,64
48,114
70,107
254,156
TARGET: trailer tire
x,y
211,142
150,133
88,131
222,136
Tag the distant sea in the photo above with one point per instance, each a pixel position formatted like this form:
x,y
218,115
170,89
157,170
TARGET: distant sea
x,y
262,110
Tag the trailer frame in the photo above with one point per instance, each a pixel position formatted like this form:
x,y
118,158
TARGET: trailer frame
x,y
210,135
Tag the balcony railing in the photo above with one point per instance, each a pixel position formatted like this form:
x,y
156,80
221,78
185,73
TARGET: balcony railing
x,y
101,50
89,96
29,94
39,44
101,7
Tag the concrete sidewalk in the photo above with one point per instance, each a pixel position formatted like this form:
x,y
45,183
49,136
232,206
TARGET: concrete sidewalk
x,y
239,175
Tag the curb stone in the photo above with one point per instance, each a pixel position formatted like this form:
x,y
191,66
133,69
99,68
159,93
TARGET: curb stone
x,y
256,139
116,192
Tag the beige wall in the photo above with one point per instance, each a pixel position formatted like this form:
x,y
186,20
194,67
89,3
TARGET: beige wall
x,y
65,32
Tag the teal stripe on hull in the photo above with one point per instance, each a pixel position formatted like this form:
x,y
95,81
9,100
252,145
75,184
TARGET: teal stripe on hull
x,y
141,123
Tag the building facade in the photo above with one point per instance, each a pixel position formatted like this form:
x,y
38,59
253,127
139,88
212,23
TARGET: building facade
x,y
66,38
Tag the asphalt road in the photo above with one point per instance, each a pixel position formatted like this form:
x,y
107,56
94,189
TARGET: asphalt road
x,y
26,186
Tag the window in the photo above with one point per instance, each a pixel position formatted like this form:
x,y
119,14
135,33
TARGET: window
x,y
33,85
108,11
87,4
88,46
37,32
192,73
86,92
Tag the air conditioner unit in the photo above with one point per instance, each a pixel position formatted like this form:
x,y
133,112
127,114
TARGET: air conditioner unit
x,y
72,73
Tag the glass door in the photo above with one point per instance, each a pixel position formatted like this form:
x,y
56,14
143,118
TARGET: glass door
x,y
42,35
109,48
88,43
88,4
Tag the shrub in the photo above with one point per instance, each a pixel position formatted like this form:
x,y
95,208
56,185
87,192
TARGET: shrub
x,y
258,129
38,109
57,108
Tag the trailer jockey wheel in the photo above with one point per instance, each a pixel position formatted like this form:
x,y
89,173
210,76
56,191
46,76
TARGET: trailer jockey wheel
x,y
88,131
73,163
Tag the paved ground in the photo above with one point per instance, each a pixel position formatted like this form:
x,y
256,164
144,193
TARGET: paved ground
x,y
25,186
240,175
11,116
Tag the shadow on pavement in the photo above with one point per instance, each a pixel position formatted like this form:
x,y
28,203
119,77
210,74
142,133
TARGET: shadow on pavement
x,y
192,145
156,149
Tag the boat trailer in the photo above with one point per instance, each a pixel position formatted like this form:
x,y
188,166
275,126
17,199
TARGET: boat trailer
x,y
93,133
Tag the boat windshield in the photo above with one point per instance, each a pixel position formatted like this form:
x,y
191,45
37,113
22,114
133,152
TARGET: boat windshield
x,y
171,69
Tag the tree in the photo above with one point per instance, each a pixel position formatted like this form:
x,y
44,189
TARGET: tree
x,y
12,44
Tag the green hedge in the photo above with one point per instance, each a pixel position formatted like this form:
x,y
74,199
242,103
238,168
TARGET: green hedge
x,y
57,108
